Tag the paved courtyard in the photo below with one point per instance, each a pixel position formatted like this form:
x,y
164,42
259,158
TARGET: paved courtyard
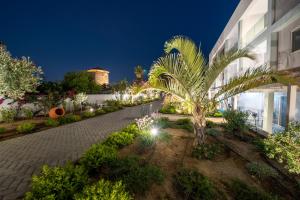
x,y
22,157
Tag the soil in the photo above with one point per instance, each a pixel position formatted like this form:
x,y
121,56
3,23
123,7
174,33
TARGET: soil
x,y
176,153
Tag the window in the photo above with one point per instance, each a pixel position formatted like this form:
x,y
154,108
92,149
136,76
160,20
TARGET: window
x,y
296,40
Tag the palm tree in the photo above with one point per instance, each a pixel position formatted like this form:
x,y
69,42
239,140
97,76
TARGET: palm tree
x,y
139,72
184,73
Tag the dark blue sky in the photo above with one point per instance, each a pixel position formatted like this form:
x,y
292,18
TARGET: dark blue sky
x,y
64,36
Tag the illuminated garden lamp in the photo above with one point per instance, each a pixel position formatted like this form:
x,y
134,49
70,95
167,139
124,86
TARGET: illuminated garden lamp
x,y
154,131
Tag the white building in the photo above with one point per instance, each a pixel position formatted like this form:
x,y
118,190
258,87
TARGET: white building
x,y
271,30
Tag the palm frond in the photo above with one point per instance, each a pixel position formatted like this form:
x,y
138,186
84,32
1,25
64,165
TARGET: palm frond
x,y
220,63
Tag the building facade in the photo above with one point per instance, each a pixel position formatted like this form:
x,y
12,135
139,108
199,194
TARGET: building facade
x,y
101,75
269,29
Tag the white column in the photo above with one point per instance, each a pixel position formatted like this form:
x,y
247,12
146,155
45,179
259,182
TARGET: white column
x,y
268,111
291,103
235,102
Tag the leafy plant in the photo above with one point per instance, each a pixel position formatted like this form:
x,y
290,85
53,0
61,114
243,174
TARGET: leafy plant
x,y
2,130
119,139
28,113
57,183
193,185
285,147
97,156
132,129
213,132
88,114
51,122
242,191
162,122
104,190
261,170
207,151
210,124
25,127
218,114
146,141
168,109
100,112
236,121
8,114
69,119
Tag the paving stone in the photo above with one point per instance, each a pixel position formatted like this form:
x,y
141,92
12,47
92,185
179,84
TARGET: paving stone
x,y
23,156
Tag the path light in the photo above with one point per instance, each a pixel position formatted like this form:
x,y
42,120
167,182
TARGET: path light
x,y
91,109
154,131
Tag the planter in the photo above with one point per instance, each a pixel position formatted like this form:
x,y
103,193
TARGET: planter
x,y
56,112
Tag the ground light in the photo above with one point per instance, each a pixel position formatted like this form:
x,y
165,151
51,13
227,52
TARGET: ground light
x,y
154,131
91,109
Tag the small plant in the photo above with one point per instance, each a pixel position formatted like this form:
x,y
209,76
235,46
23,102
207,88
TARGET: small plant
x,y
193,185
28,113
2,130
88,114
51,122
25,127
69,119
236,121
104,190
97,156
210,124
146,141
162,122
8,114
100,112
185,124
218,114
57,183
119,139
144,122
132,129
168,109
213,132
108,109
242,191
207,151
261,170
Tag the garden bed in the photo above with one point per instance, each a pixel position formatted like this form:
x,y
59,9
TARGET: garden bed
x,y
169,167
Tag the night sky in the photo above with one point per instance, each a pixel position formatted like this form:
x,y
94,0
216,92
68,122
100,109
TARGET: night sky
x,y
64,36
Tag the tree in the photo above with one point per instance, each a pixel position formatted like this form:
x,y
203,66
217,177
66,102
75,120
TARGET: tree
x,y
17,76
139,73
81,82
184,73
120,88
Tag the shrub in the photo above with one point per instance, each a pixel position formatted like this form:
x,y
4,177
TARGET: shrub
x,y
168,109
207,151
242,191
109,109
218,114
185,124
284,147
51,122
97,156
88,114
236,121
104,190
57,183
100,112
146,140
28,113
8,114
113,103
132,129
69,119
213,132
162,122
210,124
119,139
25,127
2,130
193,185
137,176
261,170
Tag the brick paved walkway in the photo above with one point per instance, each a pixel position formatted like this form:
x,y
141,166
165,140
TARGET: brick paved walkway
x,y
21,157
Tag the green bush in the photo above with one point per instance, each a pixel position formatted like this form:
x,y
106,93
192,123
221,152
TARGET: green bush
x,y
137,176
109,109
51,122
210,124
194,186
236,121
162,122
100,112
261,170
185,124
88,114
284,147
213,132
97,156
25,127
104,190
218,114
132,129
69,119
168,109
242,191
2,130
146,140
8,114
57,183
207,151
113,103
28,113
119,139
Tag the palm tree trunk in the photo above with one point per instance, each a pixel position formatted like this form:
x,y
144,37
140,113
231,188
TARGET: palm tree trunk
x,y
199,126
